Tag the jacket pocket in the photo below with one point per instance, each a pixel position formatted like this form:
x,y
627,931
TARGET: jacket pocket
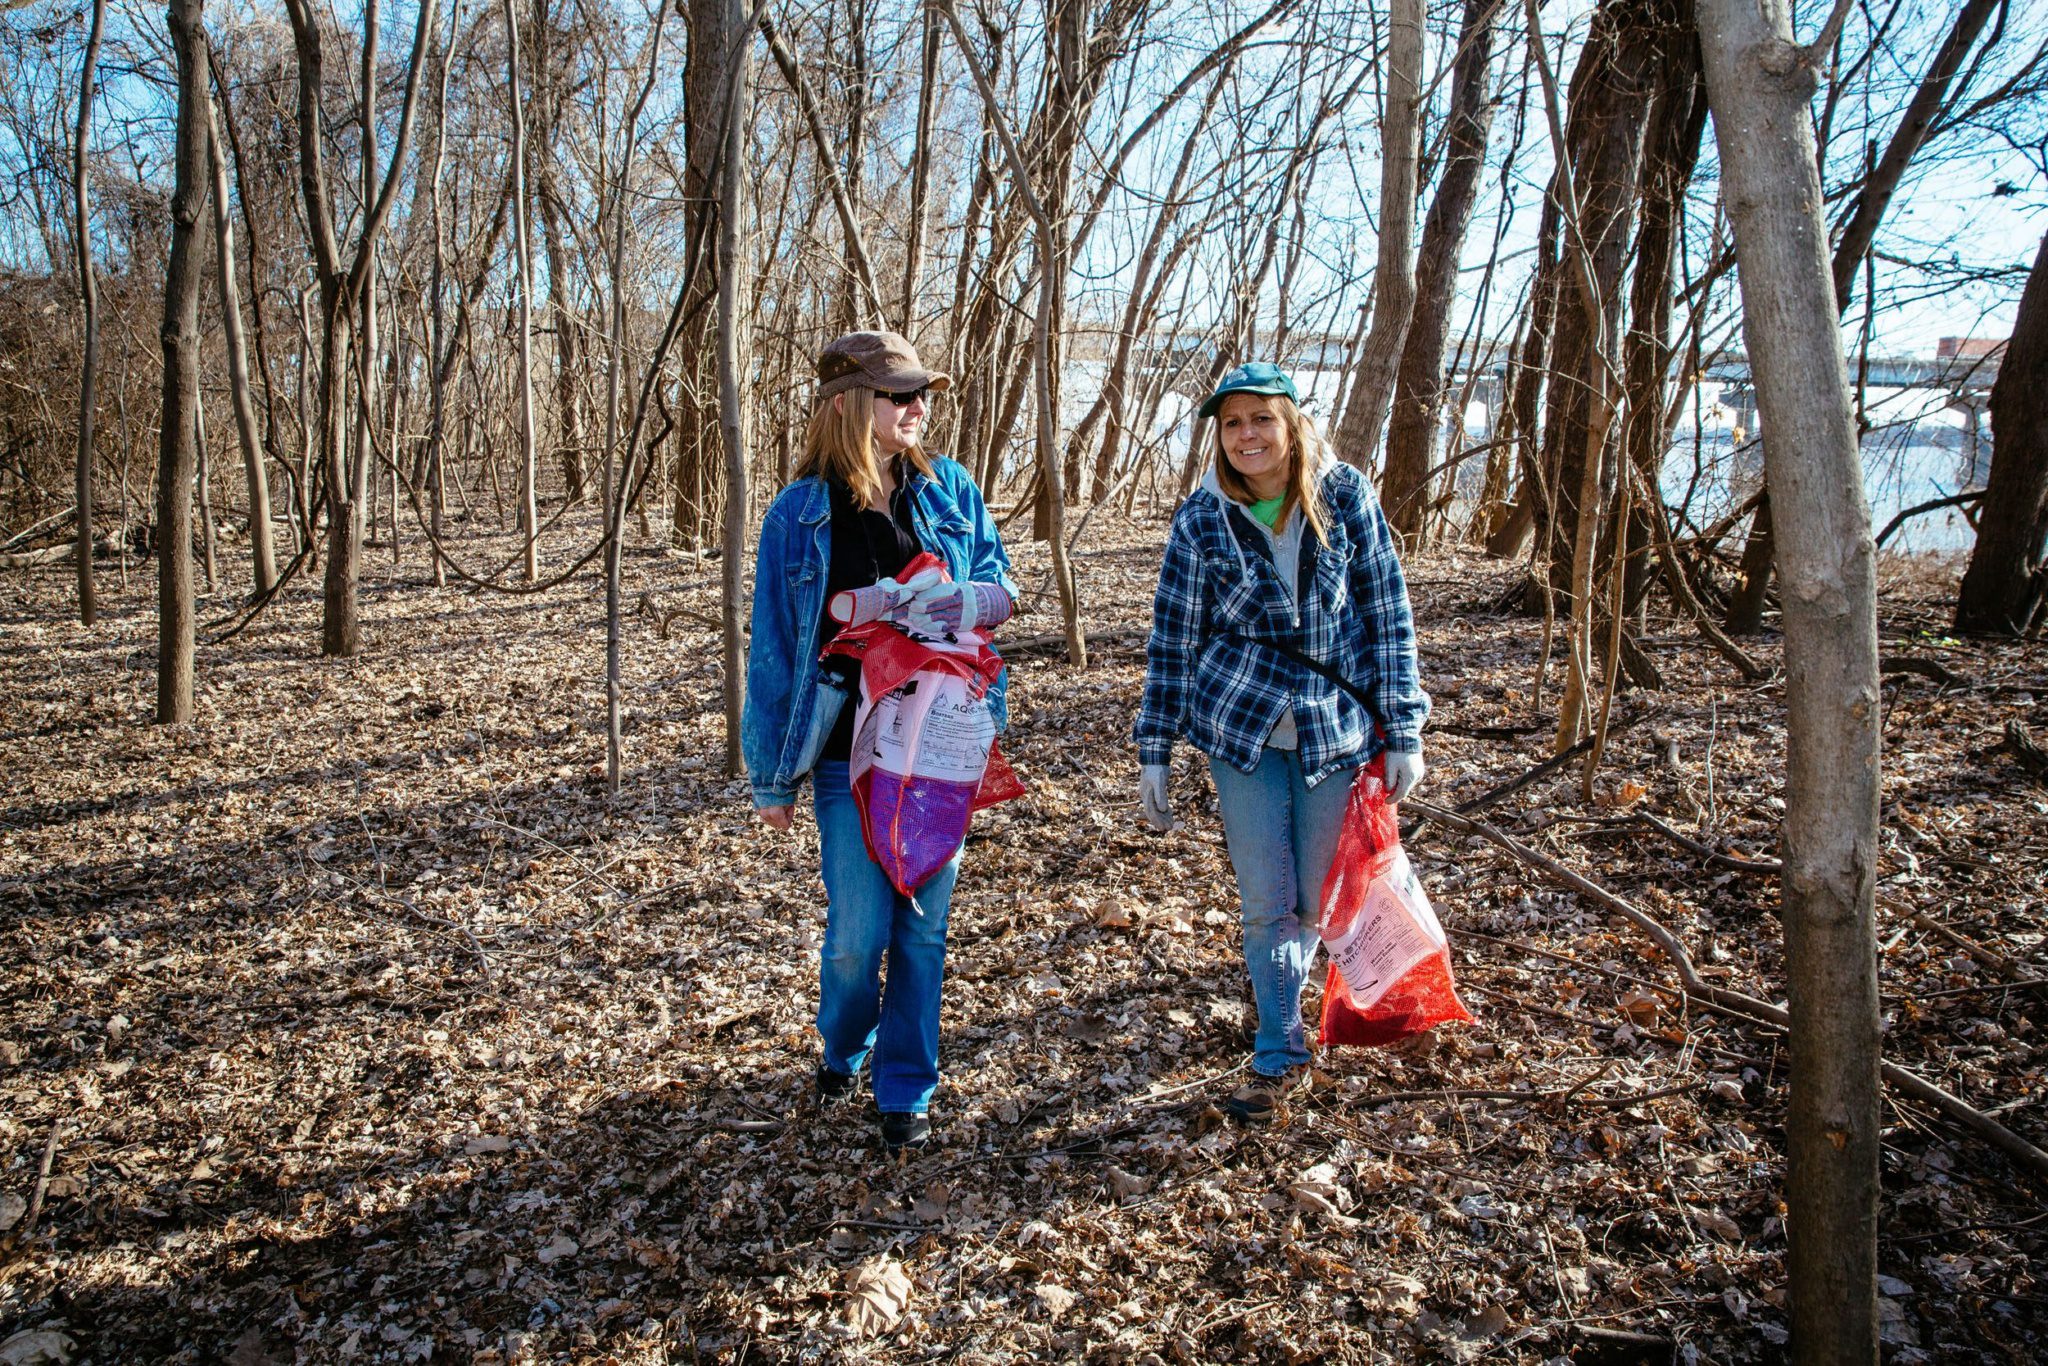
x,y
828,699
1233,588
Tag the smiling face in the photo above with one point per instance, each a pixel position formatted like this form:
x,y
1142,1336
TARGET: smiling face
x,y
1255,442
897,427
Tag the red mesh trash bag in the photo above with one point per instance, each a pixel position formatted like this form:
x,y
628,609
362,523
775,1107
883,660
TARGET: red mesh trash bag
x,y
924,756
1390,965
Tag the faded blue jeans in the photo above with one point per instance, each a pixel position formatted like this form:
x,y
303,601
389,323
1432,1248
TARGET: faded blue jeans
x,y
1282,834
868,921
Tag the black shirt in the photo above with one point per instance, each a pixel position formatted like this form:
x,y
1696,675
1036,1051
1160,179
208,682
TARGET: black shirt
x,y
867,545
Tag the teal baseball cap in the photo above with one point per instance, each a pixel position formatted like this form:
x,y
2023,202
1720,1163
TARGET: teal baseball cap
x,y
1253,377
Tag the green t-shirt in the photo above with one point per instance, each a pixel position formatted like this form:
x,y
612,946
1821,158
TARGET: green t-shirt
x,y
1268,510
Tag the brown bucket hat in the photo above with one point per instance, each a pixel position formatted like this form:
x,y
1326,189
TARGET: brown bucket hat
x,y
881,361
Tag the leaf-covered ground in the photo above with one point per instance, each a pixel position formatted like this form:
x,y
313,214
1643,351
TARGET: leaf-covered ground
x,y
369,1028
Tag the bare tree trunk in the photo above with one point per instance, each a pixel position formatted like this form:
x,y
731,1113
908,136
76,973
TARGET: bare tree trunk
x,y
920,175
1907,140
1372,386
177,450
1419,381
1051,265
342,286
617,477
867,295
202,478
89,298
732,203
263,557
529,472
1746,606
2005,585
1760,86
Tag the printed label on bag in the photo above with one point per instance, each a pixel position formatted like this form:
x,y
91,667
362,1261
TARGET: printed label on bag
x,y
1393,931
943,732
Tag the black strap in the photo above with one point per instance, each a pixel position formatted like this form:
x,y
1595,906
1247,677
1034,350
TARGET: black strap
x,y
1313,666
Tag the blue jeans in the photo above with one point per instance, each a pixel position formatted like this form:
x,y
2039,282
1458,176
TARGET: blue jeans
x,y
1282,834
867,920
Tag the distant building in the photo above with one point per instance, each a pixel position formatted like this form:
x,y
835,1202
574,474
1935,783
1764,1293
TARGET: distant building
x,y
1968,348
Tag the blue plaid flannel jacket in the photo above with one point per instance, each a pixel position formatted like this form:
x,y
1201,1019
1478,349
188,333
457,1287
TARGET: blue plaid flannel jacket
x,y
1217,585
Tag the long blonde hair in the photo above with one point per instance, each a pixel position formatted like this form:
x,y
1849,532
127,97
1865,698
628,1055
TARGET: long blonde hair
x,y
1306,457
840,444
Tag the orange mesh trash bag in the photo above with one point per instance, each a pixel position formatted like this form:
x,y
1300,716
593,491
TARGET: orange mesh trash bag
x,y
1390,964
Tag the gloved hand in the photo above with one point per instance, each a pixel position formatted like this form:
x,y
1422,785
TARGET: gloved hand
x,y
944,608
1152,798
882,600
1404,773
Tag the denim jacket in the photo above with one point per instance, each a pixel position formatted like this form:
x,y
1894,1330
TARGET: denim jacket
x,y
789,714
1219,593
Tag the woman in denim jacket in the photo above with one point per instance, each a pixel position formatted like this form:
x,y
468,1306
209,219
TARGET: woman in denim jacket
x,y
1282,556
866,499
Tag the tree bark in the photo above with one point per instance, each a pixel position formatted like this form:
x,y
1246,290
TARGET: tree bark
x,y
89,300
1419,380
732,350
1759,85
1372,385
1907,140
529,471
178,448
263,557
920,176
1746,606
2007,580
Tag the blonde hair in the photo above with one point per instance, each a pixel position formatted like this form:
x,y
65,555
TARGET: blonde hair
x,y
840,444
1306,457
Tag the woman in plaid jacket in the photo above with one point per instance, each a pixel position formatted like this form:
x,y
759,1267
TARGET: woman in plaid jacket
x,y
1280,577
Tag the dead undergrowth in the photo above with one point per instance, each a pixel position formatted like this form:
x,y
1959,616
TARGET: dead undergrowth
x,y
355,1022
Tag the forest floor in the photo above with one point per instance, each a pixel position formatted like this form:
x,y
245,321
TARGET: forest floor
x,y
354,1021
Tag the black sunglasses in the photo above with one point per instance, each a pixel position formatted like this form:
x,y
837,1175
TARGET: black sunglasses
x,y
908,396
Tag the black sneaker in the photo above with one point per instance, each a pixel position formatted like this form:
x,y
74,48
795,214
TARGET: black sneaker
x,y
902,1132
834,1085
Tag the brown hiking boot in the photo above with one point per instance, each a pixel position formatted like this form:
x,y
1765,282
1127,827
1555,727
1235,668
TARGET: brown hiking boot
x,y
1259,1100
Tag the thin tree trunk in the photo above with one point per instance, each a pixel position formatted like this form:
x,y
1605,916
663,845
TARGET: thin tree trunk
x,y
263,557
1394,283
89,299
177,453
202,477
920,175
2004,586
731,352
1746,606
1051,265
529,472
1760,85
1419,381
617,477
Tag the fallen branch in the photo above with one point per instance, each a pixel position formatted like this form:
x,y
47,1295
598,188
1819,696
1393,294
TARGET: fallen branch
x,y
1056,643
2021,746
1926,668
42,1190
1539,772
30,559
37,527
1735,1003
1990,958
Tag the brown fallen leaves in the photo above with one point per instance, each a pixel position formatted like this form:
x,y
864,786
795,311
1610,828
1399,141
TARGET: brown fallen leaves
x,y
374,1030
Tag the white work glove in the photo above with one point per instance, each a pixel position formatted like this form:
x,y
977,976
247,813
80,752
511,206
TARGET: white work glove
x,y
1152,798
882,600
1404,773
944,608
